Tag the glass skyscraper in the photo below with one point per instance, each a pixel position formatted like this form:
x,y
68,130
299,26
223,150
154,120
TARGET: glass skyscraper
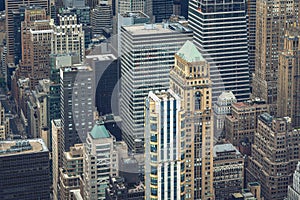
x,y
220,32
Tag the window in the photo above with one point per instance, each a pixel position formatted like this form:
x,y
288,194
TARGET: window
x,y
197,100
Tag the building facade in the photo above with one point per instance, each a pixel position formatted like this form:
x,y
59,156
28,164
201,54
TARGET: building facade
x,y
228,171
190,78
222,108
159,10
145,66
13,5
242,122
164,146
22,164
288,103
77,107
68,37
294,190
57,153
71,172
100,162
274,156
223,43
270,26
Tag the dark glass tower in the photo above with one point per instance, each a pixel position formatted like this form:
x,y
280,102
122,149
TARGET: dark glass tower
x,y
159,10
220,32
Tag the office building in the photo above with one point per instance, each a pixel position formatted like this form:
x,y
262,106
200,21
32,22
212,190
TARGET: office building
x,y
159,10
274,156
124,6
252,192
84,18
107,76
288,103
68,37
242,122
222,108
190,78
101,18
77,103
164,146
71,171
36,37
145,66
13,5
228,171
100,162
294,189
220,33
270,26
22,163
57,153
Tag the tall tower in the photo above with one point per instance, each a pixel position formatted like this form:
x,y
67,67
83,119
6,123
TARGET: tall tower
x,y
220,33
274,156
76,90
164,147
13,5
99,162
36,35
190,78
145,66
288,103
68,37
272,18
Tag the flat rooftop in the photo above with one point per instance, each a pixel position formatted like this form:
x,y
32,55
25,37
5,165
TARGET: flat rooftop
x,y
156,28
16,147
222,148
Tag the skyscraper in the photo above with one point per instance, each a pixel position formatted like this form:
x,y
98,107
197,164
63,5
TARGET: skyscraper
x,y
220,33
294,190
288,103
274,156
22,163
270,26
99,161
147,55
68,37
159,10
164,146
190,78
77,107
36,35
13,5
57,153
101,18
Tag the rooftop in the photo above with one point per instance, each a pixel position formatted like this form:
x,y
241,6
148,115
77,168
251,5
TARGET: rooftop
x,y
9,148
99,131
190,53
156,28
222,148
